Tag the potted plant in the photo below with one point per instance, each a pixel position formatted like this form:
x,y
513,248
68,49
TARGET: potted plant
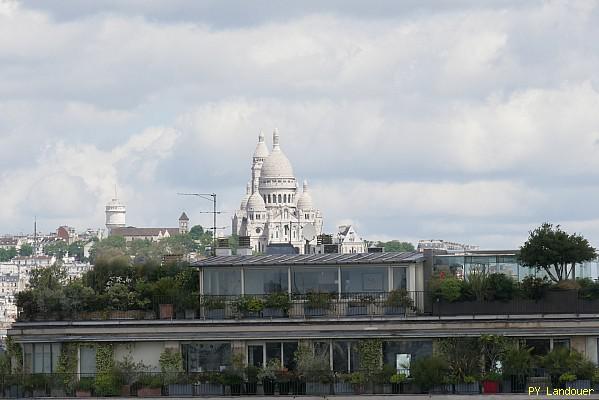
x,y
491,382
107,383
187,305
208,384
214,307
318,304
171,366
150,385
249,307
251,375
358,381
398,302
234,380
468,385
397,381
567,379
84,387
268,376
284,381
37,385
360,305
342,383
277,305
429,374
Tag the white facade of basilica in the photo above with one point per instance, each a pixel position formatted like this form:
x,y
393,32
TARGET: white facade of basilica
x,y
273,210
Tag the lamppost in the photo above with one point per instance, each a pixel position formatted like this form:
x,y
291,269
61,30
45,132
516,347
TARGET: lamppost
x,y
210,197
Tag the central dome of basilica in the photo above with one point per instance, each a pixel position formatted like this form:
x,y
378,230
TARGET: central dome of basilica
x,y
276,165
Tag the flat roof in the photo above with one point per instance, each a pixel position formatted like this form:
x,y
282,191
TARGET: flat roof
x,y
313,259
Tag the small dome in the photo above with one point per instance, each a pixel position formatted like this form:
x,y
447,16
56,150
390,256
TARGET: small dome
x,y
256,203
261,149
244,200
276,165
304,201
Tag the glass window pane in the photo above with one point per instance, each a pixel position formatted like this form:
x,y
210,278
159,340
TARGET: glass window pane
x,y
540,347
315,279
289,349
47,358
400,278
265,280
55,356
207,356
87,360
222,281
340,352
273,350
561,343
364,279
415,348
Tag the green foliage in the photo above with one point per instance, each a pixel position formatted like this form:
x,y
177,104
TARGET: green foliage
x,y
494,348
248,304
370,355
448,288
171,361
270,370
310,364
14,351
67,365
104,357
562,360
150,380
501,287
319,300
85,384
358,378
278,300
556,252
567,377
394,246
462,355
26,249
517,361
398,378
75,249
107,383
399,298
534,288
52,277
478,284
57,249
469,379
429,371
7,254
213,302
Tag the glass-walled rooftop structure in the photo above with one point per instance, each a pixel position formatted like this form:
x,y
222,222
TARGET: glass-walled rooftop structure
x,y
504,261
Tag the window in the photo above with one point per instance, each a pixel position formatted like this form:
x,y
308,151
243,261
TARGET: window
x,y
400,278
222,281
41,357
265,280
279,198
315,279
540,347
87,360
561,343
364,279
206,356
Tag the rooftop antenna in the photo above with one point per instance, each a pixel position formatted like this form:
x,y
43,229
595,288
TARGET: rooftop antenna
x,y
35,235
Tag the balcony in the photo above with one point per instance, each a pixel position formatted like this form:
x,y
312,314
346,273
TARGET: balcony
x,y
396,304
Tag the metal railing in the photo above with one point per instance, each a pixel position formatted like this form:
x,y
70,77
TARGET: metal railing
x,y
157,384
373,305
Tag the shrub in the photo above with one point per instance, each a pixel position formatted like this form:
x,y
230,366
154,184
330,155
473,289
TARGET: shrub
x,y
568,284
567,377
358,378
478,283
448,289
517,361
213,302
319,300
85,384
107,383
501,287
399,298
534,288
561,360
278,300
398,378
269,372
247,304
429,371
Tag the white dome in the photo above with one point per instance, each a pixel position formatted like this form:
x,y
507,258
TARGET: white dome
x,y
244,200
261,149
304,201
256,203
276,165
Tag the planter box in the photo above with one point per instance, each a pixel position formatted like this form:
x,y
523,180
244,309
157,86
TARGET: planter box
x,y
125,390
251,388
13,391
359,310
83,393
315,312
273,313
235,389
441,389
298,388
190,314
180,389
284,388
490,387
166,311
467,388
250,314
208,389
57,393
317,388
218,313
149,392
579,384
391,310
343,388
40,393
268,387
149,315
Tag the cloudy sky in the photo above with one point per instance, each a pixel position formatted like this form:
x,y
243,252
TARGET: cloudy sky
x,y
463,120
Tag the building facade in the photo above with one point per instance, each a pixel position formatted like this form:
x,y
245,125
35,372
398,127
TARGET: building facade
x,y
273,210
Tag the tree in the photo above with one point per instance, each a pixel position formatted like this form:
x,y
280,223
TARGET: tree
x,y
111,247
57,249
26,249
75,249
7,254
556,252
394,246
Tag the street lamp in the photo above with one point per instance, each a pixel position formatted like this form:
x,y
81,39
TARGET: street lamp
x,y
210,197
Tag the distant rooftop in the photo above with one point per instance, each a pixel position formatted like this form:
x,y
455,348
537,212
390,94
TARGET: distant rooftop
x,y
313,259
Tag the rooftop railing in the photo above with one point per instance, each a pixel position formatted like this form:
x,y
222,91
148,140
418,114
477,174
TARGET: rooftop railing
x,y
379,305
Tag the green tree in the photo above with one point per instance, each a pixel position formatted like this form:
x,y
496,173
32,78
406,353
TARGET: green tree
x,y
556,252
75,249
395,246
110,247
57,249
26,249
8,254
196,232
